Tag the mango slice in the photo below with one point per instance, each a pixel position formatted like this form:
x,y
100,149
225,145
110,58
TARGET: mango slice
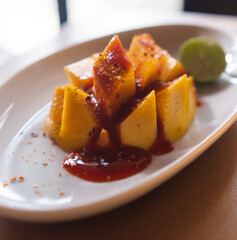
x,y
171,69
151,62
139,129
176,107
114,79
80,74
142,53
104,139
192,100
53,121
78,120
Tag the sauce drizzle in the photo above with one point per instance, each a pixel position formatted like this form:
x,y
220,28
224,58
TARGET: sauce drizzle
x,y
107,165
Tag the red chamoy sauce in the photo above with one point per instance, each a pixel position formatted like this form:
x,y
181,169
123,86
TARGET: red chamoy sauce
x,y
107,165
162,144
199,103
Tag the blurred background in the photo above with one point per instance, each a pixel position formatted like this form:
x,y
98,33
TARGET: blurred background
x,y
27,24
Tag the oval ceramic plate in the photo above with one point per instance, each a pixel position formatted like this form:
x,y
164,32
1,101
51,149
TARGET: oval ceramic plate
x,y
48,192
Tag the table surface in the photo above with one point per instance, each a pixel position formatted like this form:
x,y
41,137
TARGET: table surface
x,y
198,203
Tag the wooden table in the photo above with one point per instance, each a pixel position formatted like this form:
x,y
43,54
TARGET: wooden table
x,y
198,203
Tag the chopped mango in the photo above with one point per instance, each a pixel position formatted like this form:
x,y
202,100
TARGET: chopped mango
x,y
139,129
142,53
171,69
104,139
192,99
78,120
151,62
53,121
80,74
176,108
114,79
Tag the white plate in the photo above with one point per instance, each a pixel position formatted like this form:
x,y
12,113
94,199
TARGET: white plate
x,y
24,105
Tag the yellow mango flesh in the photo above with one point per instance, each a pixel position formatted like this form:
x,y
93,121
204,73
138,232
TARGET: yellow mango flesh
x,y
114,79
192,99
104,139
80,74
78,121
151,62
53,121
171,69
176,107
139,129
142,53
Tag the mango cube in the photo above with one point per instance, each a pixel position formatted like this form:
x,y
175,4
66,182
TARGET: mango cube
x,y
139,129
142,53
151,62
53,121
104,139
176,107
192,99
80,73
171,68
114,79
78,120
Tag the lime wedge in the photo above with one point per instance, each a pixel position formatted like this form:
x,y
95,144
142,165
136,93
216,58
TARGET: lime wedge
x,y
202,58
